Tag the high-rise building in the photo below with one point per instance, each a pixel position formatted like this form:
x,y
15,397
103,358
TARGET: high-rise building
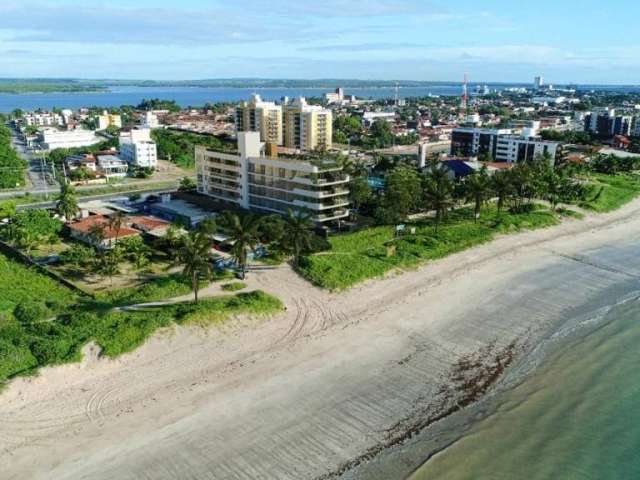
x,y
307,127
538,83
604,121
257,115
256,176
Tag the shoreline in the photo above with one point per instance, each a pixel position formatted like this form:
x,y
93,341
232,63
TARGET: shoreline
x,y
311,389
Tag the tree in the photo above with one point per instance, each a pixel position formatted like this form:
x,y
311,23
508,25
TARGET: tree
x,y
135,251
30,228
438,192
244,233
115,223
7,209
193,254
360,192
78,256
501,187
477,189
402,194
187,184
67,205
298,231
108,263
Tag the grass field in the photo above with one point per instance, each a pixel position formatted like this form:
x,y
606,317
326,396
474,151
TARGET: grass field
x,y
616,191
359,256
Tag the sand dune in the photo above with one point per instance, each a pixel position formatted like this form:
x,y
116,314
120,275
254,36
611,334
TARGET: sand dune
x,y
302,395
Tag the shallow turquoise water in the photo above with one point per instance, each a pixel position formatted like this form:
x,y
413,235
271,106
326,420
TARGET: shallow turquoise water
x,y
576,417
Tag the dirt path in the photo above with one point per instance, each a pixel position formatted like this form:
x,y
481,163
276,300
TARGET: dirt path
x,y
301,394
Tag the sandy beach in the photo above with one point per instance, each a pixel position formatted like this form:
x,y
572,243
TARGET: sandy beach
x,y
318,391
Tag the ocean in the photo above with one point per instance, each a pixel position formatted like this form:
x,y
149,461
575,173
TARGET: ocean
x,y
198,96
576,417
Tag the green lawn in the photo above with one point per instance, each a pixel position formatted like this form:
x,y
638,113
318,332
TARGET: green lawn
x,y
359,256
615,191
26,347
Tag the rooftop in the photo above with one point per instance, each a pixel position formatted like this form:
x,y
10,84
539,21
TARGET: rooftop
x,y
87,225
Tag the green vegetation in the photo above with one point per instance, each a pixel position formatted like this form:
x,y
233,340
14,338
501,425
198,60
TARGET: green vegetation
x,y
12,167
27,345
22,285
610,192
234,286
161,288
366,254
32,87
158,104
179,147
30,228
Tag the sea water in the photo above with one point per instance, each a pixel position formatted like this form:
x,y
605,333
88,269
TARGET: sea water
x,y
577,416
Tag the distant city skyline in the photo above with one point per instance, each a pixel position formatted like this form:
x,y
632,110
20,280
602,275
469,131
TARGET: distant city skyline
x,y
430,40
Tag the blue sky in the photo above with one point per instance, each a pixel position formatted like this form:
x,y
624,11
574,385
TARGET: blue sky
x,y
586,41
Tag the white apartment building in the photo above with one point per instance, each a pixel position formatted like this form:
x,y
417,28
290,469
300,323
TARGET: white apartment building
x,y
137,148
273,183
50,139
257,115
307,127
45,119
502,145
150,120
514,149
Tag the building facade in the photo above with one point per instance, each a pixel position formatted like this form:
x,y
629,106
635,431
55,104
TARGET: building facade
x,y
275,183
137,148
501,145
50,139
257,115
307,127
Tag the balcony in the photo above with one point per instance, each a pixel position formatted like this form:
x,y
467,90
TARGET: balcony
x,y
329,193
331,216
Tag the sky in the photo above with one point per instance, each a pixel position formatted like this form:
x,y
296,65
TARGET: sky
x,y
565,41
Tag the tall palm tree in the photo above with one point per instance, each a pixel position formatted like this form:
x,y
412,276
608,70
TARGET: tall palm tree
x,y
67,205
193,255
298,231
501,187
438,192
244,232
115,223
477,189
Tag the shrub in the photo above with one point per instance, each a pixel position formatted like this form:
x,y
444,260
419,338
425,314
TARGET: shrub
x,y
30,311
234,287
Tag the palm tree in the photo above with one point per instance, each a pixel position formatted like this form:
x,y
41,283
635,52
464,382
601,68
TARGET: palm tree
x,y
193,255
476,188
501,187
67,202
115,223
438,192
244,232
298,231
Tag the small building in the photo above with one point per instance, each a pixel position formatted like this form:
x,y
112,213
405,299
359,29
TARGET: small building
x,y
112,166
96,231
88,161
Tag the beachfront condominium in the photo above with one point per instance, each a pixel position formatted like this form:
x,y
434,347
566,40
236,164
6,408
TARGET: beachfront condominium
x,y
255,176
307,127
257,115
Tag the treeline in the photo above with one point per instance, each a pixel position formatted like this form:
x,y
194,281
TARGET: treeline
x,y
12,167
408,191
